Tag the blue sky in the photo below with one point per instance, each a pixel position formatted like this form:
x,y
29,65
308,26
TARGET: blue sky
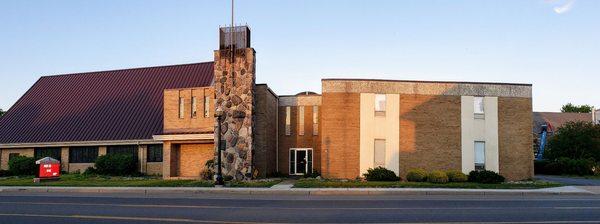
x,y
300,42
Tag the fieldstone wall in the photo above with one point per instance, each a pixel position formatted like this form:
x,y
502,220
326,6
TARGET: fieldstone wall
x,y
234,91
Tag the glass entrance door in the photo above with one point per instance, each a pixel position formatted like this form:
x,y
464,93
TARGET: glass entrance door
x,y
301,161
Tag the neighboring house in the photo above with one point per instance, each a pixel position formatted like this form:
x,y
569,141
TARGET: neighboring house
x,y
165,117
597,116
553,121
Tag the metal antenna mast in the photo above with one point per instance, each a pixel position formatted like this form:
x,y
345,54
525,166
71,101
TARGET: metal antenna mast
x,y
232,33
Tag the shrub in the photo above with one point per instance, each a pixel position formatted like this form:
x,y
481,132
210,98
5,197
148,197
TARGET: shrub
x,y
485,177
207,174
22,165
565,165
437,176
380,174
313,174
88,171
416,175
116,165
539,166
5,173
456,176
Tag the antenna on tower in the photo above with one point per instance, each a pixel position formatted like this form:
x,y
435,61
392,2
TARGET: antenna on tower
x,y
232,33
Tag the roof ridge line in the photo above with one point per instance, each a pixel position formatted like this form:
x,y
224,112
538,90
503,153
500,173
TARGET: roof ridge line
x,y
126,69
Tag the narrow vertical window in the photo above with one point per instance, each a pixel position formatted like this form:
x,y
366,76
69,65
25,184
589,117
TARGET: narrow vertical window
x,y
292,161
181,107
288,121
478,107
479,155
301,120
315,120
206,106
379,153
380,104
194,109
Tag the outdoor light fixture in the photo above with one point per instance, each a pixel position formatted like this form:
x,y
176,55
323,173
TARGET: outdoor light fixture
x,y
220,147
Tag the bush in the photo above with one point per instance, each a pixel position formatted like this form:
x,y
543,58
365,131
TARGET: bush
x,y
116,165
456,176
485,177
5,173
575,140
416,175
22,165
313,174
89,171
380,174
207,174
565,165
437,176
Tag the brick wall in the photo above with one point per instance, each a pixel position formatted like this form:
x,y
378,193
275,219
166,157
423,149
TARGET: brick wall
x,y
265,128
430,132
340,133
192,158
515,137
294,140
6,153
199,123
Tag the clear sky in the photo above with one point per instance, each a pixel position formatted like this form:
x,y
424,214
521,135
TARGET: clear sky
x,y
552,44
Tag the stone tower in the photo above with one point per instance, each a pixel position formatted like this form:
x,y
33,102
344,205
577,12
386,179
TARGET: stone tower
x,y
234,71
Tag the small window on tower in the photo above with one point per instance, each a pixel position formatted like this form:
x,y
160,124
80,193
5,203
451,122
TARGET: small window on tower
x,y
181,107
478,105
206,106
288,121
380,104
194,110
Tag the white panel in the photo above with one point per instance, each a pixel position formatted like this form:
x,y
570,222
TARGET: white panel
x,y
367,124
392,127
467,126
491,134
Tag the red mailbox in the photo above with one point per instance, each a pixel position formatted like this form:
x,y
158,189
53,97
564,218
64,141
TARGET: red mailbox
x,y
49,168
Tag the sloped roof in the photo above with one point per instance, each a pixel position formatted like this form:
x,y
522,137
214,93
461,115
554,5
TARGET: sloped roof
x,y
98,106
557,119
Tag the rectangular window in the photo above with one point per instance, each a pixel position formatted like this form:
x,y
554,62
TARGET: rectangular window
x,y
379,156
123,149
478,107
84,154
292,161
53,152
288,121
479,155
181,107
315,120
194,109
380,104
206,106
155,153
301,120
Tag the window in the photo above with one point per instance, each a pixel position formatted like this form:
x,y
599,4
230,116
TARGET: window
x,y
478,107
194,110
288,121
155,153
479,155
301,120
123,149
379,156
206,106
54,152
12,155
380,105
181,107
292,161
86,154
315,120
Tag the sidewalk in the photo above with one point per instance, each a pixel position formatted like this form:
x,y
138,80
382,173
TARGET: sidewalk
x,y
566,190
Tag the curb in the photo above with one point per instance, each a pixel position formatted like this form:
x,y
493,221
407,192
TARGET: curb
x,y
567,190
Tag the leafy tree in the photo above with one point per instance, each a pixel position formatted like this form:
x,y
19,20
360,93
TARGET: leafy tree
x,y
570,108
575,140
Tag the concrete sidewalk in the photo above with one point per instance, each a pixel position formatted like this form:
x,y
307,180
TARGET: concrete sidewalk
x,y
566,190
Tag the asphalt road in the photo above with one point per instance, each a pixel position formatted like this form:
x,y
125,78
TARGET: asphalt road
x,y
68,208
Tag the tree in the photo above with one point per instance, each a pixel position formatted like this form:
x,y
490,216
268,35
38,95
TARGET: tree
x,y
1,112
575,140
570,108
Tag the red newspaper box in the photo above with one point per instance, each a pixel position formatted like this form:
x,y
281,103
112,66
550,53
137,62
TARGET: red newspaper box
x,y
49,168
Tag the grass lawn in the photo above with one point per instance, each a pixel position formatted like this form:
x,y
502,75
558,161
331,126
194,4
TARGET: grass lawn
x,y
78,180
312,183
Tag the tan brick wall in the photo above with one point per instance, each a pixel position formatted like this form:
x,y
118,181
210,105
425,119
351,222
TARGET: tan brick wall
x,y
6,152
340,133
294,140
515,138
154,168
172,122
64,156
193,157
79,167
265,129
430,132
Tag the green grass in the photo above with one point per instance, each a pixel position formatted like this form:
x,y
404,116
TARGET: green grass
x,y
78,180
311,183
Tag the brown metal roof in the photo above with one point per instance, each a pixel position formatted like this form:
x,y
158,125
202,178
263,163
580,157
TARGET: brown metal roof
x,y
96,106
557,119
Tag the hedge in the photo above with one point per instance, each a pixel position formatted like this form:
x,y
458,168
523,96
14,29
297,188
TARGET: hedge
x,y
22,165
381,174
